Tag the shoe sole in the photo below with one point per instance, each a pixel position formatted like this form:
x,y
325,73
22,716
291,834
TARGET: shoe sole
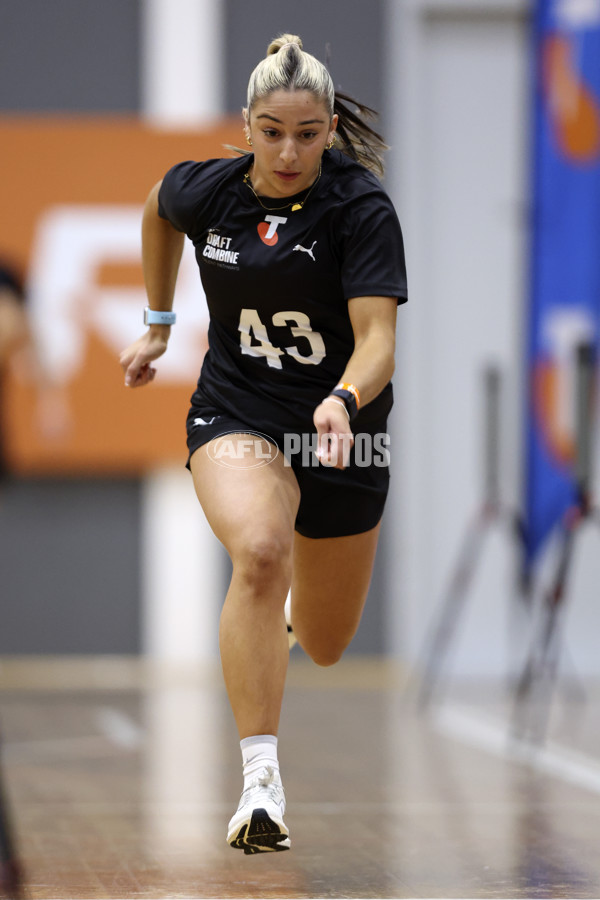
x,y
260,835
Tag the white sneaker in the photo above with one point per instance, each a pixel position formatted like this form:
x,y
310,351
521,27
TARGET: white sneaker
x,y
292,639
258,826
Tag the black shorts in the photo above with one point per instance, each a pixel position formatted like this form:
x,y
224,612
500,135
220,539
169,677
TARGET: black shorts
x,y
333,502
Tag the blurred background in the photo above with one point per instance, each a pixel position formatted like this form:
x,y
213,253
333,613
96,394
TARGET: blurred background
x,y
103,549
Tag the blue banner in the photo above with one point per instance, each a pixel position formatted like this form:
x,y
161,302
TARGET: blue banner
x,y
565,263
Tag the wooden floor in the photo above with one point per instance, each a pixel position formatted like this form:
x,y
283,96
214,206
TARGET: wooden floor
x,y
122,779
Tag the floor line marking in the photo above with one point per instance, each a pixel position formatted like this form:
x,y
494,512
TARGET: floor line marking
x,y
114,727
552,759
119,728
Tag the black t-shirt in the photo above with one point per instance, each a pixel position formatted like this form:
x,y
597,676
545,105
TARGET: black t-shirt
x,y
278,281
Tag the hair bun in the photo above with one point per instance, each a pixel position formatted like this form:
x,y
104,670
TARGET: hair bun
x,y
281,41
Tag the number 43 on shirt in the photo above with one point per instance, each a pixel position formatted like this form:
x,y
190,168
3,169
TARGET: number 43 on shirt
x,y
254,338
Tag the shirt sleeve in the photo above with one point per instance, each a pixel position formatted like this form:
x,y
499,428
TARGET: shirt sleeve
x,y
373,261
180,195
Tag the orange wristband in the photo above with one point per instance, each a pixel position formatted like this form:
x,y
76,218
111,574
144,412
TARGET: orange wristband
x,y
353,390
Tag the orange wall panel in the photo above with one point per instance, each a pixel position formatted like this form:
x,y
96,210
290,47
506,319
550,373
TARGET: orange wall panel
x,y
86,301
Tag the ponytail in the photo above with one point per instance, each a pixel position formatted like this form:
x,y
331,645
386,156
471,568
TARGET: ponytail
x,y
354,135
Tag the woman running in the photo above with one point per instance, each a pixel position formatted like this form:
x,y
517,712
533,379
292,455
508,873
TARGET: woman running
x,y
302,262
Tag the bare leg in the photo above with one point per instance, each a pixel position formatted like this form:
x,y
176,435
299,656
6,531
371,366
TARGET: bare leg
x,y
330,584
252,511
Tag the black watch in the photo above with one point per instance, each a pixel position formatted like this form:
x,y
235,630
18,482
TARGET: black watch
x,y
349,399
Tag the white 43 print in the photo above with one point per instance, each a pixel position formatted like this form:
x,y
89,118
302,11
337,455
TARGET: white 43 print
x,y
254,338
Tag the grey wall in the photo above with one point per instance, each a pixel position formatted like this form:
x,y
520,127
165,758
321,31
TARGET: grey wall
x,y
69,562
84,55
69,55
69,555
344,34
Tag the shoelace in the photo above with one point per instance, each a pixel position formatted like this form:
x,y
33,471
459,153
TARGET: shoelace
x,y
264,781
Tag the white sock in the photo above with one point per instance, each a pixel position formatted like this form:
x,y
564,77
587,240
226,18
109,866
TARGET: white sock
x,y
258,751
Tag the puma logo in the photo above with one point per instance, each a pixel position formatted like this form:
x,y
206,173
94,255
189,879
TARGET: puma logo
x,y
201,421
306,250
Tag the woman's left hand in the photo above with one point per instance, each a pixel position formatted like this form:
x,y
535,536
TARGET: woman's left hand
x,y
335,438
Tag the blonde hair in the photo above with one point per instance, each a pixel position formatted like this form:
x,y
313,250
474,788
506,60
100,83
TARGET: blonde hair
x,y
288,67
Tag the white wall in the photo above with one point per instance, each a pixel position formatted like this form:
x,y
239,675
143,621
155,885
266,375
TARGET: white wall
x,y
183,574
459,89
458,100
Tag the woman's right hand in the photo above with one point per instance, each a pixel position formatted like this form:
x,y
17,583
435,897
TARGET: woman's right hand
x,y
136,359
334,435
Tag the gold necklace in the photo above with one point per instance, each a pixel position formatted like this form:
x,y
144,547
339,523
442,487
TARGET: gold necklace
x,y
295,205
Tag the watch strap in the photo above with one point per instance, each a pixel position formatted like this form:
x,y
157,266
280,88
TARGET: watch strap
x,y
348,398
159,317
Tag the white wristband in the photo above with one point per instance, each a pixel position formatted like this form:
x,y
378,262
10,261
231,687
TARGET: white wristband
x,y
159,317
340,402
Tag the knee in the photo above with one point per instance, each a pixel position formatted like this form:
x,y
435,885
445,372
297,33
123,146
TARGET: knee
x,y
326,656
324,651
264,561
324,642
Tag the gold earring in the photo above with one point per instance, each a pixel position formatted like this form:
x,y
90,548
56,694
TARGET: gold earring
x,y
248,140
330,144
